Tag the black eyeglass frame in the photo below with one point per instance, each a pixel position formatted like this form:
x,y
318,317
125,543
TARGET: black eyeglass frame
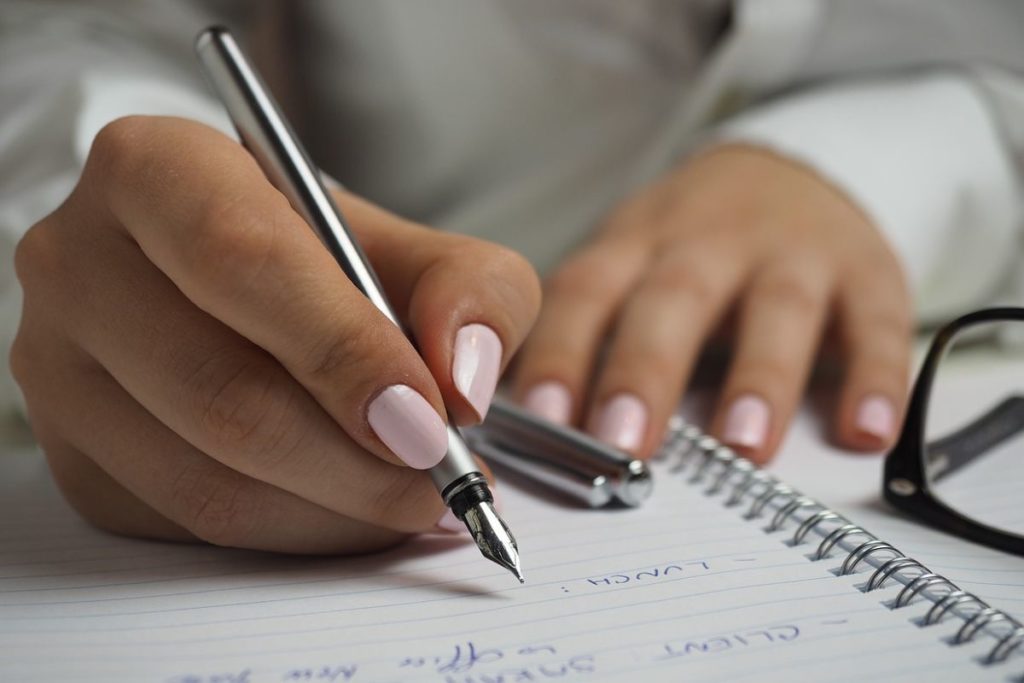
x,y
904,483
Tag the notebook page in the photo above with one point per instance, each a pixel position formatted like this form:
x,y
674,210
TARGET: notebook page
x,y
851,485
679,589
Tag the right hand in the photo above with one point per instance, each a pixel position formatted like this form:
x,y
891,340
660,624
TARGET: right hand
x,y
197,366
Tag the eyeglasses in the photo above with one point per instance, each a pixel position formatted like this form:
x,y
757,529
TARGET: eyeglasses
x,y
959,462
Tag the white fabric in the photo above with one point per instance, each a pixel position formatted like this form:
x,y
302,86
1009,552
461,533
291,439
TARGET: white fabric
x,y
525,121
943,191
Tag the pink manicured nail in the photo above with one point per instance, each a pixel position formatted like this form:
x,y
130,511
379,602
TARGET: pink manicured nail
x,y
409,426
876,416
622,422
550,400
747,422
477,365
450,523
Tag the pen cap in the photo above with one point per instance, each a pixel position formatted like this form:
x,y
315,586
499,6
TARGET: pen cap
x,y
518,431
594,490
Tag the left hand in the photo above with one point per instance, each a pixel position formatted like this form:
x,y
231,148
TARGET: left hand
x,y
733,226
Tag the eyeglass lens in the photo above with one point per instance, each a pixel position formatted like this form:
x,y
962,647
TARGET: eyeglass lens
x,y
974,427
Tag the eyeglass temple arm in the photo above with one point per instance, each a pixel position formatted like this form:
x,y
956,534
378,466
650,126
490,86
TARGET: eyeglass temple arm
x,y
949,453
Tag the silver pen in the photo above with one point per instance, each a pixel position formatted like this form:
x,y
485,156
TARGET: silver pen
x,y
565,459
271,141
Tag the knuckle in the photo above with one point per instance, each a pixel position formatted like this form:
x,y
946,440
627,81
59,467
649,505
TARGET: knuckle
x,y
232,243
689,279
20,360
216,507
889,324
243,412
64,463
37,256
344,355
581,278
516,276
881,332
790,291
512,286
116,149
511,265
83,485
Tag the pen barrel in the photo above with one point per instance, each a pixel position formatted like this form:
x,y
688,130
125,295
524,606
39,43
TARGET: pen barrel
x,y
268,137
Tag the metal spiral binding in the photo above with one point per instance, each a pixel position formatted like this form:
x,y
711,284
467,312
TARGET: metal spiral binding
x,y
686,441
917,585
830,541
787,510
977,621
706,447
754,476
776,488
732,463
892,566
957,597
862,552
814,520
1007,644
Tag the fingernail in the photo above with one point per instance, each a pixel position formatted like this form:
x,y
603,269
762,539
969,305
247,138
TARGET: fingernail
x,y
876,416
409,426
550,400
622,422
747,422
476,365
450,523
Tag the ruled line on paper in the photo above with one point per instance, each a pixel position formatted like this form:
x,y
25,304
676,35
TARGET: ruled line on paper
x,y
249,603
799,615
117,542
439,565
310,581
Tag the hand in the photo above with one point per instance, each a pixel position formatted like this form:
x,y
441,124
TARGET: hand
x,y
739,228
196,365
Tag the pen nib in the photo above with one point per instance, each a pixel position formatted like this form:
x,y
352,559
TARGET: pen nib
x,y
493,537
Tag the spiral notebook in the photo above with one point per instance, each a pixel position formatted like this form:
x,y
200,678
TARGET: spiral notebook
x,y
727,574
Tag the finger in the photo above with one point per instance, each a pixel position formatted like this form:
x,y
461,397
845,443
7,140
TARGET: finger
x,y
99,499
779,330
201,210
210,501
658,335
468,303
875,327
230,399
581,299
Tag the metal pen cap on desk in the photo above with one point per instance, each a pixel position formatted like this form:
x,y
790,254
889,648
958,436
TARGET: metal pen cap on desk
x,y
562,458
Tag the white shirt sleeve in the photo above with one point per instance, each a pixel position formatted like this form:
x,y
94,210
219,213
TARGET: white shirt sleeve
x,y
922,156
67,69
